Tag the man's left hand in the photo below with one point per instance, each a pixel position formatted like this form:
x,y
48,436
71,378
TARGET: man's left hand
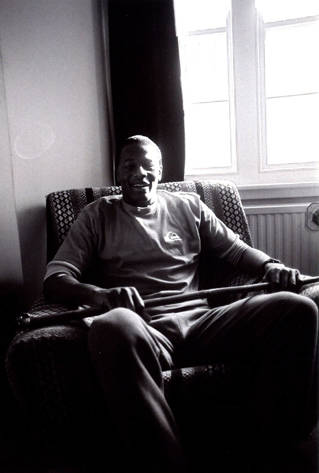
x,y
282,275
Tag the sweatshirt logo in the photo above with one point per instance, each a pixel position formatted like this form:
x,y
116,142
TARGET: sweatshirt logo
x,y
171,237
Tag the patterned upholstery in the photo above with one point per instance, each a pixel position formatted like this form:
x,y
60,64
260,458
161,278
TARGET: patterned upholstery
x,y
49,369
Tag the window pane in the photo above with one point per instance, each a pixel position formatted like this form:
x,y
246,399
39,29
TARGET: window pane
x,y
292,130
193,15
274,10
291,59
207,136
205,74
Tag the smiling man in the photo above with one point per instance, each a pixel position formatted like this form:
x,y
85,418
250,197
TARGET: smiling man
x,y
139,172
147,243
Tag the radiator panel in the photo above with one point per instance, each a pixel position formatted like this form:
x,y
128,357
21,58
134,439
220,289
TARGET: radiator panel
x,y
281,231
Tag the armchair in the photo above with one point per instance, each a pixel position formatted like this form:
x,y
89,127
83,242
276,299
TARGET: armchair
x,y
49,368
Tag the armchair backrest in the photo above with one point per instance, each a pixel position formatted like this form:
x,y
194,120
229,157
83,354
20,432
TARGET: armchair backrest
x,y
222,197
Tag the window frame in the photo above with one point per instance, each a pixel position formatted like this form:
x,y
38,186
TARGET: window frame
x,y
247,137
232,168
264,166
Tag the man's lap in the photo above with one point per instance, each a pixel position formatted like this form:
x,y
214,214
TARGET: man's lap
x,y
221,333
234,331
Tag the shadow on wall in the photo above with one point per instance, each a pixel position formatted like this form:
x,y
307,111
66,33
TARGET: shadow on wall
x,y
32,231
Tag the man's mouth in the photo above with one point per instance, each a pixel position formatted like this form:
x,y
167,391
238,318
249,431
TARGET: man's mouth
x,y
142,185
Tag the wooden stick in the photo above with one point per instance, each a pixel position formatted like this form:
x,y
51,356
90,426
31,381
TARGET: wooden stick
x,y
220,291
158,301
28,321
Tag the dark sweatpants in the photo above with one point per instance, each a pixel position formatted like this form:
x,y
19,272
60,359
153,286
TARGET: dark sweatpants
x,y
276,333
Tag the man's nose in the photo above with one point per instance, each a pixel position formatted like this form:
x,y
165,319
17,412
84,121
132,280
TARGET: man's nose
x,y
140,171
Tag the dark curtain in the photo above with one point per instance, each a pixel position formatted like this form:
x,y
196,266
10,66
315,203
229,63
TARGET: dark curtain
x,y
145,78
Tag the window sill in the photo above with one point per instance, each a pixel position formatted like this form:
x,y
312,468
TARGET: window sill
x,y
279,193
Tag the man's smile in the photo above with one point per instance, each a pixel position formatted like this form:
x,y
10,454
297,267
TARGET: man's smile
x,y
139,172
142,185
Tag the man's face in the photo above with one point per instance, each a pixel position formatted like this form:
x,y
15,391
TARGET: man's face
x,y
139,171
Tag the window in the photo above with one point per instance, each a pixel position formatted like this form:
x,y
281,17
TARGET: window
x,y
203,41
289,81
250,77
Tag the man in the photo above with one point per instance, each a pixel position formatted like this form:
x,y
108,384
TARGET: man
x,y
145,244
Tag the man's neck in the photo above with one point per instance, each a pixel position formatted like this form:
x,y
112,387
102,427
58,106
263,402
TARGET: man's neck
x,y
147,209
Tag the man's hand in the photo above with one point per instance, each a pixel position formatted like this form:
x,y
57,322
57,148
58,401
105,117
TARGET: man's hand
x,y
117,297
66,289
280,274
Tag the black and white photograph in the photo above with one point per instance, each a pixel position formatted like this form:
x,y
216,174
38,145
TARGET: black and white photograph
x,y
159,236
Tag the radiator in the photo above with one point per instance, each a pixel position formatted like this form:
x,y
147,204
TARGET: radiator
x,y
281,232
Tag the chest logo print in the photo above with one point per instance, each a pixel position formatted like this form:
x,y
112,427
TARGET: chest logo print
x,y
171,236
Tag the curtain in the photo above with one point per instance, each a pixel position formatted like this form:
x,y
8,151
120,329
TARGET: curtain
x,y
145,78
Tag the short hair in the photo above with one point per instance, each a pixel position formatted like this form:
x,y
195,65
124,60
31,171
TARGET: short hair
x,y
140,141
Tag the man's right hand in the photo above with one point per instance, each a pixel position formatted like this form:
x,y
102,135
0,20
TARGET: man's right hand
x,y
66,289
111,298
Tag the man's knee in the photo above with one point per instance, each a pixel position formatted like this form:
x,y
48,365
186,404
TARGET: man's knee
x,y
297,308
119,327
291,300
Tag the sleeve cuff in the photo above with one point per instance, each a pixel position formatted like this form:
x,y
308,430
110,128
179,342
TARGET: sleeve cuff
x,y
271,260
57,266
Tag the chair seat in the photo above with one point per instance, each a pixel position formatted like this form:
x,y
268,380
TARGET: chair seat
x,y
52,379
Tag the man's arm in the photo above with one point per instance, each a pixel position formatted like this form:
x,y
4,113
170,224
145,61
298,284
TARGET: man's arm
x,y
217,236
271,270
63,277
66,289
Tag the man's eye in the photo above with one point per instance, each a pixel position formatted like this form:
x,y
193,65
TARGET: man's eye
x,y
128,166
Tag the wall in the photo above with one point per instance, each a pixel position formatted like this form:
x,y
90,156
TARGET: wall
x,y
11,277
54,131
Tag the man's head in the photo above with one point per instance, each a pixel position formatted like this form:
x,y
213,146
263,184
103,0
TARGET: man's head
x,y
139,170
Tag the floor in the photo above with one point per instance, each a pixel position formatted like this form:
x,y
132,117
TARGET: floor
x,y
303,460
18,450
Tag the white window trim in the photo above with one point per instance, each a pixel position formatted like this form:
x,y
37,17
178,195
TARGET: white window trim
x,y
248,109
264,167
233,167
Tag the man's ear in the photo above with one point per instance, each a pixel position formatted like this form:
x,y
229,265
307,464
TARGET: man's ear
x,y
160,172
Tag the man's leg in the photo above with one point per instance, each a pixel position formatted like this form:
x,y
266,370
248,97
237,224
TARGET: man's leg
x,y
128,358
277,334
